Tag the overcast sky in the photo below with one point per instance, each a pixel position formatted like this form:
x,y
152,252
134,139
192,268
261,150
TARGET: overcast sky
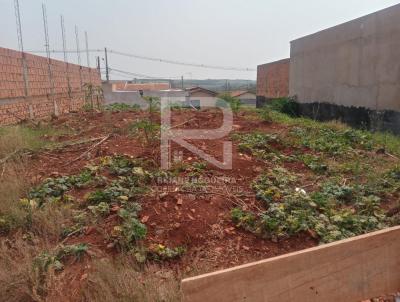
x,y
215,32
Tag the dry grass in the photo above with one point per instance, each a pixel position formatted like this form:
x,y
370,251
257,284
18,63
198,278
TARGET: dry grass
x,y
13,186
48,222
13,138
19,280
120,281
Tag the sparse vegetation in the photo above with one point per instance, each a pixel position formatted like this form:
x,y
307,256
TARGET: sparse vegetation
x,y
121,107
297,177
233,102
122,278
146,129
287,106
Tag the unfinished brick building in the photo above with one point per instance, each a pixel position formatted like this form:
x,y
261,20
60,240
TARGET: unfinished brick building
x,y
272,81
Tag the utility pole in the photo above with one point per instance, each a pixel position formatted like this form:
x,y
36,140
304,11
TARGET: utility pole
x,y
107,71
98,63
183,86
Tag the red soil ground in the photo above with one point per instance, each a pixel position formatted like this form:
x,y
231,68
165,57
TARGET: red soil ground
x,y
200,222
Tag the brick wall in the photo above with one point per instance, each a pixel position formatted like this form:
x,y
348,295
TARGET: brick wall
x,y
35,98
273,79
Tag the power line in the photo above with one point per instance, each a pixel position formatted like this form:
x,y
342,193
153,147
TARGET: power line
x,y
179,62
158,60
128,73
67,51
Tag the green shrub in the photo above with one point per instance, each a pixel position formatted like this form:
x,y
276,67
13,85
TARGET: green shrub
x,y
285,105
266,114
233,102
150,130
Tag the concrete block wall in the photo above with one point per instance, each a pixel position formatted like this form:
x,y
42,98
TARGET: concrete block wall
x,y
273,80
33,96
351,72
353,64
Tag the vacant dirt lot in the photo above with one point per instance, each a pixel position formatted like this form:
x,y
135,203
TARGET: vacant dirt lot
x,y
94,200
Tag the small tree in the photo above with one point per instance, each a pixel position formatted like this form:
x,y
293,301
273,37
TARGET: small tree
x,y
153,102
233,102
266,114
92,91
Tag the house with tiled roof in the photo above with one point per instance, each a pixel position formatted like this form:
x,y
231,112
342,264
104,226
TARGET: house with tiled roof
x,y
126,86
245,97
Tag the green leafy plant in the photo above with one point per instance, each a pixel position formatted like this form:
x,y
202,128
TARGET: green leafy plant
x,y
153,103
244,219
273,185
55,189
149,130
332,213
121,107
161,253
333,141
233,102
54,259
101,209
287,106
196,169
341,193
131,230
52,189
314,163
92,93
115,192
260,145
266,114
120,165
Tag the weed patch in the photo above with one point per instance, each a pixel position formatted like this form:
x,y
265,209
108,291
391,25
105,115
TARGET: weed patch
x,y
333,212
260,145
121,107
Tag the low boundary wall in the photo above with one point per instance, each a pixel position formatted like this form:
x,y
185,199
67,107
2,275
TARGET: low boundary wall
x,y
351,270
33,87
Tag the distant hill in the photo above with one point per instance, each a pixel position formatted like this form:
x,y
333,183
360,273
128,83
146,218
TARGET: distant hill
x,y
218,85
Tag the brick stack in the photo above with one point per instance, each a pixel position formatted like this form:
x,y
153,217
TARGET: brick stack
x,y
39,102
